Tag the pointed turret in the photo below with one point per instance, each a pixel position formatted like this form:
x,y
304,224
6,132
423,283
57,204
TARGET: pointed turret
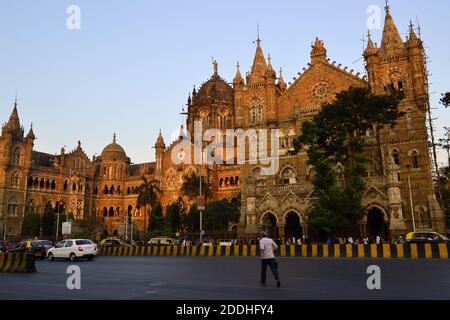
x,y
391,37
30,134
371,47
259,65
160,141
413,40
318,51
13,124
14,121
281,83
270,73
238,80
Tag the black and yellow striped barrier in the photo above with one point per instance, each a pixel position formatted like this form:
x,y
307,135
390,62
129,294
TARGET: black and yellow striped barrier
x,y
17,263
386,251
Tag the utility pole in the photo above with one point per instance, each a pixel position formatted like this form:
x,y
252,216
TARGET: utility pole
x,y
57,220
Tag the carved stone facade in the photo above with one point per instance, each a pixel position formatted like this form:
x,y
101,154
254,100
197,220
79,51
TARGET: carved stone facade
x,y
399,172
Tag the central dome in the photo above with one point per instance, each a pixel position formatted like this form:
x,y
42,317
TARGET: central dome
x,y
215,89
114,150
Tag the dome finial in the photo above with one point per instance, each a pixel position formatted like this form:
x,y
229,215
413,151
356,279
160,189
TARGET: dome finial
x,y
114,137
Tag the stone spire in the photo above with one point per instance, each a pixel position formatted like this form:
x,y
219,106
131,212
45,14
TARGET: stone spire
x,y
30,134
281,83
14,121
238,78
318,51
160,141
413,40
270,72
13,125
371,47
391,37
259,64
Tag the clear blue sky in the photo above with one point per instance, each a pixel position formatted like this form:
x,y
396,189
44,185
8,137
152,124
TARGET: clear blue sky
x,y
131,66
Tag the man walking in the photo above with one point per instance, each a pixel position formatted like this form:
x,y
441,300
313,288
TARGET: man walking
x,y
267,247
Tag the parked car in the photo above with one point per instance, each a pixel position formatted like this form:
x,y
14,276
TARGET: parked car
x,y
113,243
47,244
426,237
73,249
6,245
163,241
30,246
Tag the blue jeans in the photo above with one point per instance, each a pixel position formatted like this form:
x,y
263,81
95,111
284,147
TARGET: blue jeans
x,y
273,264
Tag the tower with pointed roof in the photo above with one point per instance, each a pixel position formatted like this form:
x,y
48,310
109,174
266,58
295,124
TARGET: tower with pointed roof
x,y
399,66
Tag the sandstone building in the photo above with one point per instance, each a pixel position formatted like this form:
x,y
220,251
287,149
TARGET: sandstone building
x,y
104,186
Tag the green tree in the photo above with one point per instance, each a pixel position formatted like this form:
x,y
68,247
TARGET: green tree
x,y
90,225
157,223
445,100
444,185
338,135
218,215
148,193
48,221
174,214
191,186
445,143
31,225
192,220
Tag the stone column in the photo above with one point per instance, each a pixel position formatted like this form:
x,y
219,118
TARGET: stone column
x,y
397,221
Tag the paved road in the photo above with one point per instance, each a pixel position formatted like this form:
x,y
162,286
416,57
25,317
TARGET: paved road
x,y
232,278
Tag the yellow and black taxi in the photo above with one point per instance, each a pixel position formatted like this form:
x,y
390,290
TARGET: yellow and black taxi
x,y
35,247
113,242
163,241
426,237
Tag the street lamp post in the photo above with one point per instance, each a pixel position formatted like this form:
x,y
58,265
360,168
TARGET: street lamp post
x,y
57,221
411,199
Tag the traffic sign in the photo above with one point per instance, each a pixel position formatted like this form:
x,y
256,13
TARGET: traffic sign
x,y
66,228
201,205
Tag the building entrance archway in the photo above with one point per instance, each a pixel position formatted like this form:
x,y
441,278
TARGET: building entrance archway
x,y
269,224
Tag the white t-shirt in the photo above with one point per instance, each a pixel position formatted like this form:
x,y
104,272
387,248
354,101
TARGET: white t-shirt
x,y
266,245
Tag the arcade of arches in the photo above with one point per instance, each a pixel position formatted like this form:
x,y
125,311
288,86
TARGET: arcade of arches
x,y
291,227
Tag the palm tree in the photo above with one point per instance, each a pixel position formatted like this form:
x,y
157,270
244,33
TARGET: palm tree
x,y
191,186
148,193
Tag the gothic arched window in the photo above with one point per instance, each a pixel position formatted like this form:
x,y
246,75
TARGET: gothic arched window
x,y
13,206
396,156
288,176
256,114
415,159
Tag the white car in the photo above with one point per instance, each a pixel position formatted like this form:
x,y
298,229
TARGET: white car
x,y
73,249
